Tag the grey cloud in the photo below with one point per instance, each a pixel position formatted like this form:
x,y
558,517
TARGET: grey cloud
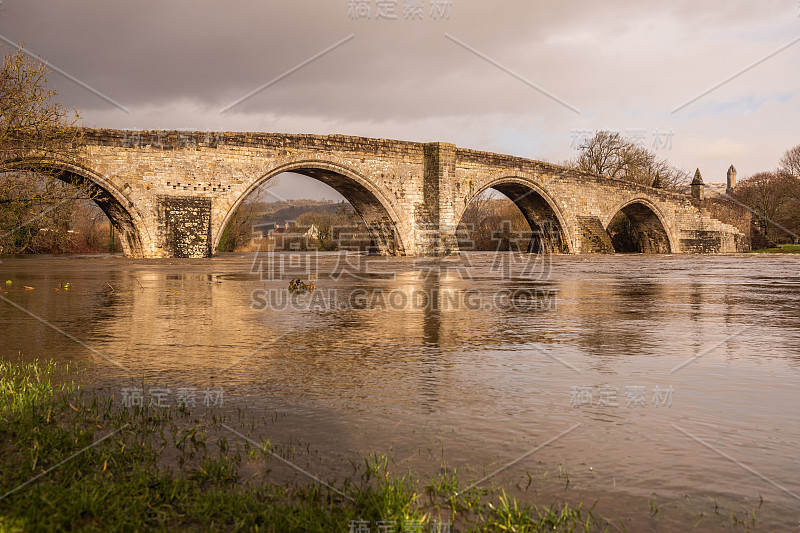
x,y
623,64
214,52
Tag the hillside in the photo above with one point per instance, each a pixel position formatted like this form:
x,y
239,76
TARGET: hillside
x,y
287,211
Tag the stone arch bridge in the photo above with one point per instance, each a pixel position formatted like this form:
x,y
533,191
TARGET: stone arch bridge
x,y
171,194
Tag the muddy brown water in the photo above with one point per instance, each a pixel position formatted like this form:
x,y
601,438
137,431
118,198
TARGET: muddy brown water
x,y
664,380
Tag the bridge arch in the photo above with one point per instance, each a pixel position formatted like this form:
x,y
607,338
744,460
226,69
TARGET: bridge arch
x,y
371,204
117,207
638,226
543,214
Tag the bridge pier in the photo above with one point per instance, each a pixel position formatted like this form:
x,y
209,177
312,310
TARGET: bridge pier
x,y
436,218
185,226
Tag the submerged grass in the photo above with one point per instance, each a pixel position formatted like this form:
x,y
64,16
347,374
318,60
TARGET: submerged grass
x,y
72,460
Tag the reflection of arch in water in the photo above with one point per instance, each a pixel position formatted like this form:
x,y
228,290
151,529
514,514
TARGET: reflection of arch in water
x,y
542,212
370,203
120,210
637,226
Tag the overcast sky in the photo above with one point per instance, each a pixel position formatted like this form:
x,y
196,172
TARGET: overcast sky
x,y
523,78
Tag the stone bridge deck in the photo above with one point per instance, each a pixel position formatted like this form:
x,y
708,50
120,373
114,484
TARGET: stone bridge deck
x,y
171,194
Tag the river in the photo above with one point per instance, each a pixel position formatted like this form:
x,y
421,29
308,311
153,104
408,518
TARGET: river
x,y
671,381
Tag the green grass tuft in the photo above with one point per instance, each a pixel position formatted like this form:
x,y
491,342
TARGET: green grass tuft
x,y
161,470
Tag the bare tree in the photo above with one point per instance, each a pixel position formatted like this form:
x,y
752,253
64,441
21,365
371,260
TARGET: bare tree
x,y
492,224
473,224
766,194
91,230
790,162
34,129
601,154
775,197
609,154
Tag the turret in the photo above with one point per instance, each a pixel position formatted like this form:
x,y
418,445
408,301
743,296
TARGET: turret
x,y
657,182
698,186
731,180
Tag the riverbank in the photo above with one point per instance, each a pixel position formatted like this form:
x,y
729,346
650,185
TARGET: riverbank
x,y
782,249
73,460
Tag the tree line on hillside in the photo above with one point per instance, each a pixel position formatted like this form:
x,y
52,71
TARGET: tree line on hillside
x,y
298,225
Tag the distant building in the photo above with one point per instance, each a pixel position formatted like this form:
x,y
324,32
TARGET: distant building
x,y
312,233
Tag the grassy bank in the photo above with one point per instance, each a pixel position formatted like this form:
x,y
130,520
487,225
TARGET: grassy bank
x,y
784,249
73,460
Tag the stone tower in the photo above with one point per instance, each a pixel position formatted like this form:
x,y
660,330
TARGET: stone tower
x,y
731,180
698,186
